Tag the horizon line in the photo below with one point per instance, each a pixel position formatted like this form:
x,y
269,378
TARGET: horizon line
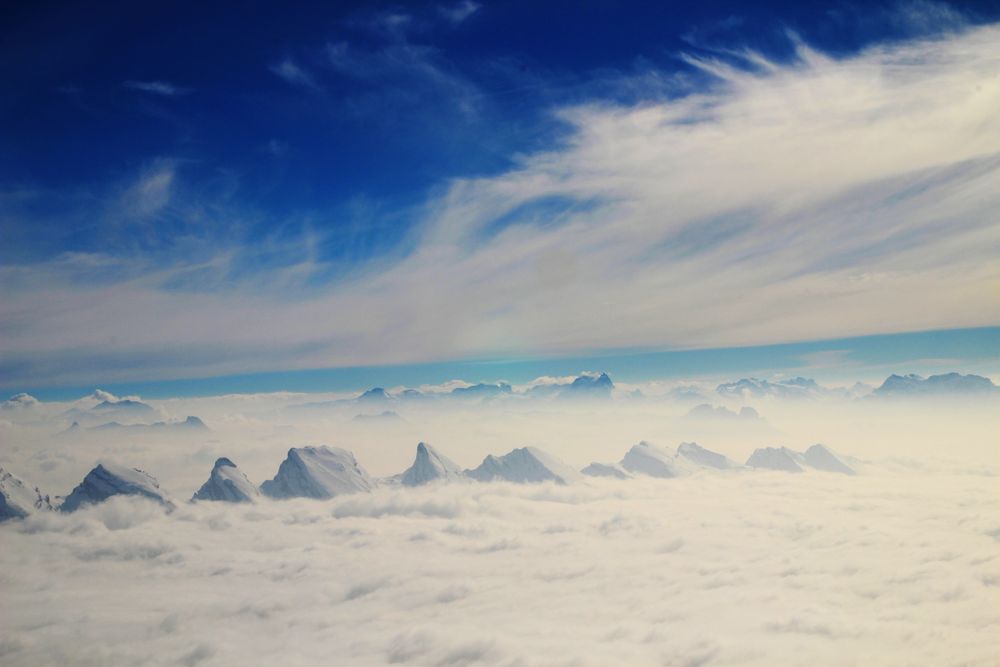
x,y
907,352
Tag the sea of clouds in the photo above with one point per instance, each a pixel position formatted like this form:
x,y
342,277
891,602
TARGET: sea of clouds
x,y
897,565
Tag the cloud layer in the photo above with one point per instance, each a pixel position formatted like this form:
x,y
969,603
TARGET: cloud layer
x,y
725,569
900,563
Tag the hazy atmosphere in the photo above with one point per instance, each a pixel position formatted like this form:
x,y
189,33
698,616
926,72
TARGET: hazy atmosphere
x,y
513,334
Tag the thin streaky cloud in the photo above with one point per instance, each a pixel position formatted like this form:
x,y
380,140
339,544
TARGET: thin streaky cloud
x,y
294,74
458,13
161,88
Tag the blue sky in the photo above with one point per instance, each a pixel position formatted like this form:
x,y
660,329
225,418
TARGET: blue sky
x,y
192,192
835,362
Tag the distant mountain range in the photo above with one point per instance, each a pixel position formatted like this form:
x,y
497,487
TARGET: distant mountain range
x,y
378,405
895,385
111,409
190,424
797,387
322,472
601,387
937,385
588,386
709,412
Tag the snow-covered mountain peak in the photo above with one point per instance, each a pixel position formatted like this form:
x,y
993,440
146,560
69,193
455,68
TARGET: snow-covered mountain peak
x,y
776,458
317,472
614,470
817,457
698,455
110,479
227,483
647,459
823,458
430,466
17,499
522,465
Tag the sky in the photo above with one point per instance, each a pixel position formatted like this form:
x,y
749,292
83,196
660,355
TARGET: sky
x,y
242,196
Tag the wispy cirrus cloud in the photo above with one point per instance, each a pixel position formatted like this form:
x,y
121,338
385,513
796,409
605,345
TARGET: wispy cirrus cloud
x,y
161,88
401,74
294,74
459,13
149,193
784,201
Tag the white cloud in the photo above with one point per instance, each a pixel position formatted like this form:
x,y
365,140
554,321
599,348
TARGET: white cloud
x,y
736,570
150,193
101,396
900,563
294,74
458,13
161,88
401,74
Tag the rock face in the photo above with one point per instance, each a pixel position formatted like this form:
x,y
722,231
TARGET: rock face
x,y
523,465
698,455
317,472
647,459
18,500
227,483
823,458
109,479
430,466
606,470
775,458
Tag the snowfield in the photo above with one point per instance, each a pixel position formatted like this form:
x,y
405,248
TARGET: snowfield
x,y
735,568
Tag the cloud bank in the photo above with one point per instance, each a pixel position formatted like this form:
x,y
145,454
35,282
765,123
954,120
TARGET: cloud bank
x,y
900,563
783,201
721,570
